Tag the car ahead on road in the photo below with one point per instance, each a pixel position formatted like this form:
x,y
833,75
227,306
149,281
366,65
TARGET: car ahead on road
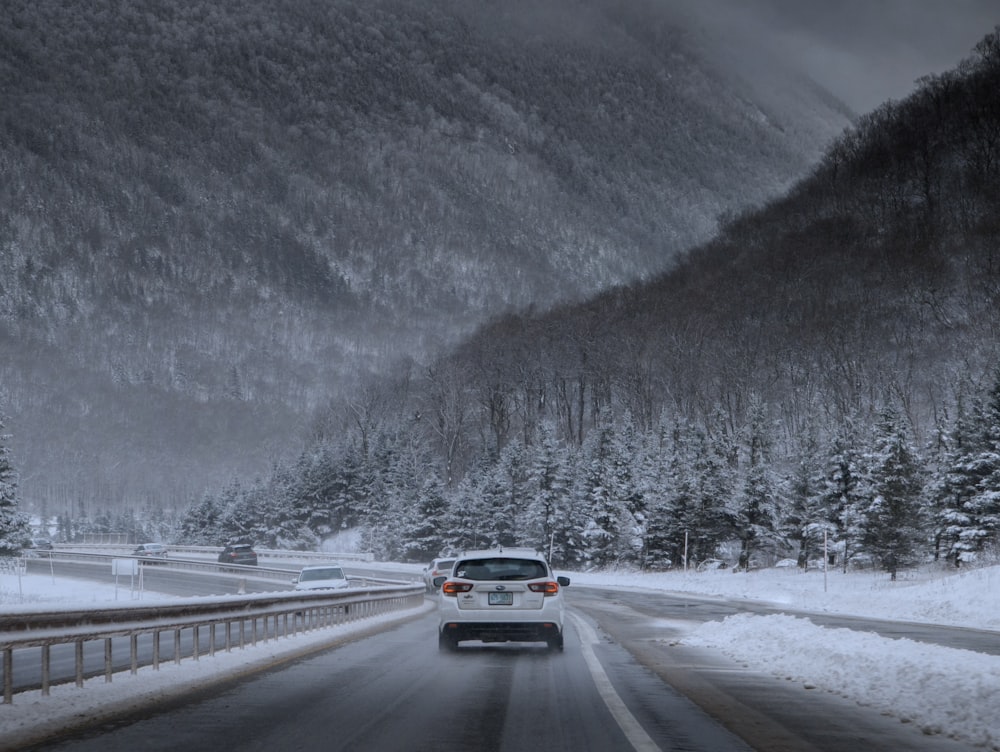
x,y
36,547
321,577
238,553
150,549
502,595
437,568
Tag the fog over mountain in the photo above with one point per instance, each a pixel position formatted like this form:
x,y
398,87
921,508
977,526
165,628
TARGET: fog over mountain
x,y
216,217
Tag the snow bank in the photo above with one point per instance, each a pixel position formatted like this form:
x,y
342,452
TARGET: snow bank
x,y
942,690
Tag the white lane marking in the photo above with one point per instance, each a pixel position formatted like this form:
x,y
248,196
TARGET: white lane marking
x,y
633,730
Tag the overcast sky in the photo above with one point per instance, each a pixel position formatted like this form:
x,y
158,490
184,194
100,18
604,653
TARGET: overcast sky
x,y
864,51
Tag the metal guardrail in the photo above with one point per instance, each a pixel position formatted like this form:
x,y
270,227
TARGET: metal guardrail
x,y
263,616
263,553
172,562
198,565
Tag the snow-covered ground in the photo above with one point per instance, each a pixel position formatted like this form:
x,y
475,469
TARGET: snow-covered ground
x,y
941,690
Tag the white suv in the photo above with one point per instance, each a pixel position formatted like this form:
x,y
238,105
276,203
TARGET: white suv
x,y
321,577
501,596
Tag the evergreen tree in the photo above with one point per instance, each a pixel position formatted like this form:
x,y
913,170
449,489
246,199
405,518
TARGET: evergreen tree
x,y
982,506
627,488
957,483
606,516
14,528
840,493
708,520
893,531
507,496
756,515
668,511
650,476
423,534
806,520
466,520
551,523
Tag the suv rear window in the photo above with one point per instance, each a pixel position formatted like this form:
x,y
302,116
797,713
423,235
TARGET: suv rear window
x,y
330,573
501,568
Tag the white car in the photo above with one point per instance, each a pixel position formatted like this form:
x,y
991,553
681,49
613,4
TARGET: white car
x,y
502,595
321,577
437,568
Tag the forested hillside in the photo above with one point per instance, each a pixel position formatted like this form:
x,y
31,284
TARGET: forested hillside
x,y
829,365
217,216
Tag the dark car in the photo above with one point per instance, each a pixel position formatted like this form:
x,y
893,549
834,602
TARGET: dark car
x,y
238,553
150,549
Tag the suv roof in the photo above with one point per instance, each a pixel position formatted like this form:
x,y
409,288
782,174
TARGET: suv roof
x,y
518,553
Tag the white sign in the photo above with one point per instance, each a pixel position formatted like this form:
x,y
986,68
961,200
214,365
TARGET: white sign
x,y
124,566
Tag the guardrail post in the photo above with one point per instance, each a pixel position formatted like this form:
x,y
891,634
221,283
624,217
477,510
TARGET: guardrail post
x,y
156,650
133,652
195,647
45,670
211,639
108,663
79,662
8,676
177,646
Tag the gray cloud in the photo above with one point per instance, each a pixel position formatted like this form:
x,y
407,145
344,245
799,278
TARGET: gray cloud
x,y
864,51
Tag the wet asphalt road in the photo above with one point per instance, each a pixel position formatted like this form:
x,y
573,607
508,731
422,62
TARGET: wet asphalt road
x,y
397,692
622,683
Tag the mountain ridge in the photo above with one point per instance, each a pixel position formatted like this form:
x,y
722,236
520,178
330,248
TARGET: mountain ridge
x,y
245,209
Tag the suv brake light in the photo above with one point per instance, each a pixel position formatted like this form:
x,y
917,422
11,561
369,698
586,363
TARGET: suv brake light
x,y
454,588
548,588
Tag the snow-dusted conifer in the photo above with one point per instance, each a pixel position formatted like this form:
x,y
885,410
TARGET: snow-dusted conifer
x,y
708,519
423,532
756,514
14,529
983,505
805,519
670,506
893,529
840,492
547,523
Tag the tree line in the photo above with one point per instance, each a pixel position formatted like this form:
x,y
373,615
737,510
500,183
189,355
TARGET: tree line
x,y
655,498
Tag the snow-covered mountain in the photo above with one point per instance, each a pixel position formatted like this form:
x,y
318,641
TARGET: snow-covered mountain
x,y
216,216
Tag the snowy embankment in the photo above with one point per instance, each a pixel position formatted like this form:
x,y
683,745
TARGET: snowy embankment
x,y
940,690
32,717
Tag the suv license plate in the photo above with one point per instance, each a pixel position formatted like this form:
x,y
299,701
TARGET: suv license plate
x,y
501,599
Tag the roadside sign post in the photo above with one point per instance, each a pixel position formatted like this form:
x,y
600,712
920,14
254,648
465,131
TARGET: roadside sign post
x,y
124,566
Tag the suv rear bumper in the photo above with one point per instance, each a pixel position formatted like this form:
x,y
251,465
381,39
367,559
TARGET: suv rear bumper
x,y
506,631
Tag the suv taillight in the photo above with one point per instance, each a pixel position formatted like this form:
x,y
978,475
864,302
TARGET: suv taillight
x,y
548,588
454,588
